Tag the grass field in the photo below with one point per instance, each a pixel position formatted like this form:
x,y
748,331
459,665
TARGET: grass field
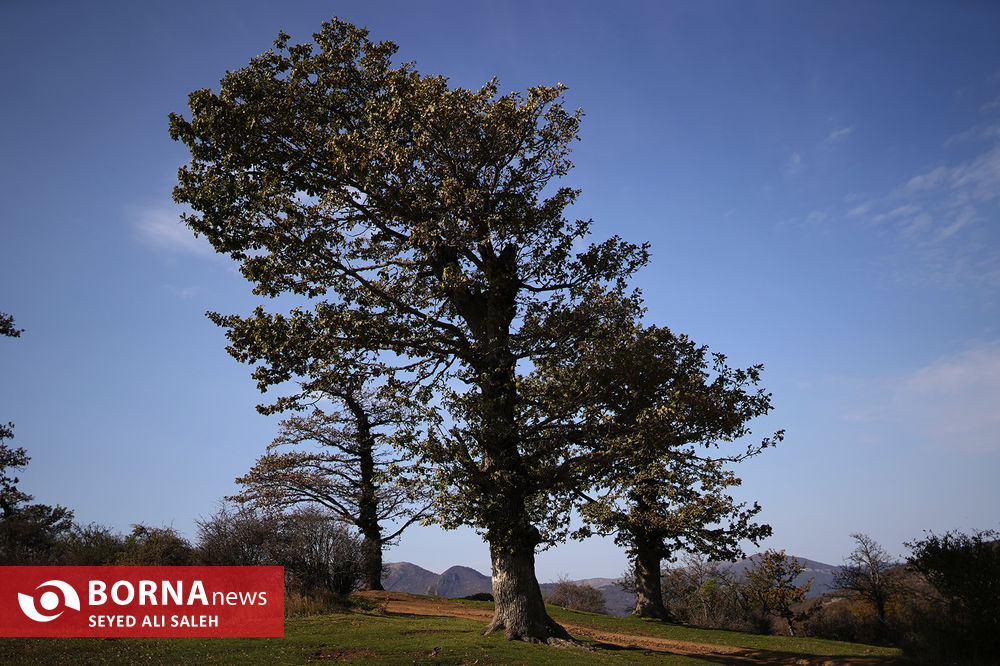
x,y
377,636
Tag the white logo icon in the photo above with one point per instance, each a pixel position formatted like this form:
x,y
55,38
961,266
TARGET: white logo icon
x,y
48,601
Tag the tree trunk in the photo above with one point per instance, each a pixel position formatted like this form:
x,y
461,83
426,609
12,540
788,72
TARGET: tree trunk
x,y
648,591
371,563
519,609
367,522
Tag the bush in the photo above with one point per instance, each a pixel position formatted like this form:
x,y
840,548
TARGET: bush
x,y
576,597
92,545
155,546
963,621
321,557
318,553
238,537
704,594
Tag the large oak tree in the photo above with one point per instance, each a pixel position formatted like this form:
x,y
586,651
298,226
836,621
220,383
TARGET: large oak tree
x,y
422,221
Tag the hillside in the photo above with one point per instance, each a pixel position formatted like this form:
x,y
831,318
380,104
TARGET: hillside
x,y
822,574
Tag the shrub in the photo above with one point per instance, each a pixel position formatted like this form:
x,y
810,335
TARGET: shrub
x,y
963,622
155,546
703,593
320,555
238,537
92,545
576,596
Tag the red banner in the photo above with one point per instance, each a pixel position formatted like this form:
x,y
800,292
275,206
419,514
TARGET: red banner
x,y
142,601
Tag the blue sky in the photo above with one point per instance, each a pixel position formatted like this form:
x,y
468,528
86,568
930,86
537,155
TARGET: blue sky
x,y
820,184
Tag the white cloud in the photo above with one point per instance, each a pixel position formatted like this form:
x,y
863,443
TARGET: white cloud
x,y
184,292
794,165
162,229
949,403
943,220
992,105
955,400
839,135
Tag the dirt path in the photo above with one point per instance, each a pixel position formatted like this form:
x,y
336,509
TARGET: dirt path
x,y
398,602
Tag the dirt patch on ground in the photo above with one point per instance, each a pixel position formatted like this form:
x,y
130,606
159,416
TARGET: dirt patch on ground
x,y
398,602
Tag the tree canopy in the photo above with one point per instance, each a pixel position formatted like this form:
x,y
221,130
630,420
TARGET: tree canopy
x,y
668,419
421,220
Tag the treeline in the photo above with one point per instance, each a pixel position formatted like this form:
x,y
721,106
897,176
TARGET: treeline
x,y
321,557
940,605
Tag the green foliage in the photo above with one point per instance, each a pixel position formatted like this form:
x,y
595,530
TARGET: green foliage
x,y
964,570
769,587
668,404
32,533
7,326
418,211
421,223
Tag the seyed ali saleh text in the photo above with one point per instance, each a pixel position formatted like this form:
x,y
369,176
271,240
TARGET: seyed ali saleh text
x,y
124,593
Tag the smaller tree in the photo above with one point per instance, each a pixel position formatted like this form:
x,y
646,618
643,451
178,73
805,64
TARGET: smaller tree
x,y
964,569
769,586
665,404
29,533
351,469
867,574
576,596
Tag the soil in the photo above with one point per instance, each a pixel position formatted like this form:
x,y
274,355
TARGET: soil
x,y
398,602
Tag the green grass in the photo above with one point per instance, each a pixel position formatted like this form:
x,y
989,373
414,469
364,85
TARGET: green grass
x,y
647,627
372,638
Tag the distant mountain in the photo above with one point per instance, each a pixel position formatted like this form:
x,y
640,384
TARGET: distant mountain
x,y
455,582
822,574
409,578
461,581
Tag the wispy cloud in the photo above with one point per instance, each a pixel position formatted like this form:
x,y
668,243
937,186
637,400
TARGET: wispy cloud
x,y
161,228
951,402
944,218
184,292
839,135
794,165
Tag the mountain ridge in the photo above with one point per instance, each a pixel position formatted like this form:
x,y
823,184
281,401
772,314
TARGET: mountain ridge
x,y
462,581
